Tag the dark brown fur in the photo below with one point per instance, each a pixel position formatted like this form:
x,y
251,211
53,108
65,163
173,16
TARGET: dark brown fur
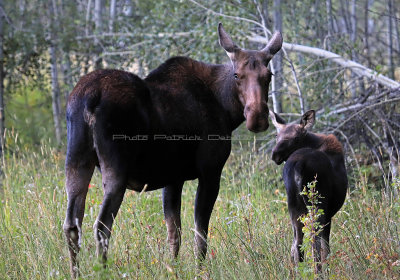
x,y
309,156
181,97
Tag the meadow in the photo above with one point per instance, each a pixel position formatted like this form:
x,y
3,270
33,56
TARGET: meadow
x,y
249,238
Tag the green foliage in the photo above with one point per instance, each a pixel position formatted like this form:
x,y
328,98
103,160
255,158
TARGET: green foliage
x,y
29,115
249,238
312,228
250,232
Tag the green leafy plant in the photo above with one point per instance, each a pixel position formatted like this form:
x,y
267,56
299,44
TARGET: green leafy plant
x,y
312,228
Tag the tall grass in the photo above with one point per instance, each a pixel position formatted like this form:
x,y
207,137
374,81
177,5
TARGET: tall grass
x,y
250,233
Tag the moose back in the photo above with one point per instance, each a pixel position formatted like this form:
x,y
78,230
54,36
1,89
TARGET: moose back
x,y
155,133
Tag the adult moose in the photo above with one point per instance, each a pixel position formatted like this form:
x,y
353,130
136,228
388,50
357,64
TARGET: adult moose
x,y
308,155
182,99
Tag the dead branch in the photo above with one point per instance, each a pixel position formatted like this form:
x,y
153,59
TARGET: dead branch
x,y
353,66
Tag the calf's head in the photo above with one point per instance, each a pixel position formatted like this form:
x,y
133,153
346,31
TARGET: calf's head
x,y
252,77
290,137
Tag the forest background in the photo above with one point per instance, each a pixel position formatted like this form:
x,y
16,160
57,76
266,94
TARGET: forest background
x,y
340,58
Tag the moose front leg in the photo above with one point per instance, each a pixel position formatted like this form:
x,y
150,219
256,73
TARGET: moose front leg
x,y
172,213
206,196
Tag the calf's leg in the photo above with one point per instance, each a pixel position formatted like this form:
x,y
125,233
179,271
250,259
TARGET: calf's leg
x,y
296,252
325,249
321,245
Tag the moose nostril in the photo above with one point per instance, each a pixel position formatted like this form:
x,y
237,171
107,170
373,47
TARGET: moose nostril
x,y
246,111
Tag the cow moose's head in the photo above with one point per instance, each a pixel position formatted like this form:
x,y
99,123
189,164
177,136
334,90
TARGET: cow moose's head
x,y
252,77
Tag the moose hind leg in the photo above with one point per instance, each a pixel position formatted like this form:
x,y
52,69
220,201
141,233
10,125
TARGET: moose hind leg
x,y
114,190
77,183
172,214
321,247
296,252
325,249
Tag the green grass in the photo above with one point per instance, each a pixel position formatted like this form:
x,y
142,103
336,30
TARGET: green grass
x,y
250,233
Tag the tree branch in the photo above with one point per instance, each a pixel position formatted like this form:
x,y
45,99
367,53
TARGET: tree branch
x,y
353,66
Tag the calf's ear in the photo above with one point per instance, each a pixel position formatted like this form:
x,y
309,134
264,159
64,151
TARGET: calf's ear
x,y
277,121
308,119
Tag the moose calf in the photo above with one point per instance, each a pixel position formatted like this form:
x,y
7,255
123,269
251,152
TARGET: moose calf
x,y
308,155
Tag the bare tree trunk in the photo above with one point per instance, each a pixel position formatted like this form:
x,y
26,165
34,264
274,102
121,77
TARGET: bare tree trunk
x,y
67,79
396,28
112,16
265,13
344,13
81,7
329,24
319,32
329,36
277,105
366,32
2,118
353,38
265,21
87,30
87,18
55,89
388,143
66,61
98,21
278,59
353,20
55,92
390,39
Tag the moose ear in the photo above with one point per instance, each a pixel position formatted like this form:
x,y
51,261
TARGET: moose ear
x,y
274,45
308,119
226,42
277,121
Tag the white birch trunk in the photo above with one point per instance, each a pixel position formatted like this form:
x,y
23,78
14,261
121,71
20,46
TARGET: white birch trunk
x,y
55,89
278,59
112,16
98,21
390,39
2,117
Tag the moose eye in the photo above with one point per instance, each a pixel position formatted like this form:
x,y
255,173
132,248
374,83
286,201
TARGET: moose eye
x,y
236,76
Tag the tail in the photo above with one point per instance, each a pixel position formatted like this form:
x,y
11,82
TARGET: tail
x,y
302,181
80,116
300,184
85,97
90,103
